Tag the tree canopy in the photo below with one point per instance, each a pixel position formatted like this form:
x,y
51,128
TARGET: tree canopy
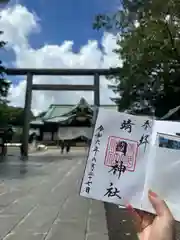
x,y
12,115
4,83
148,44
8,114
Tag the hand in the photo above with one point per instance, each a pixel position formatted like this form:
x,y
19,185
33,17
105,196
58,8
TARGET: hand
x,y
150,227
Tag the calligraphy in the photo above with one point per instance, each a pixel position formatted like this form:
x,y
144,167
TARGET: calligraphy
x,y
93,159
144,141
90,175
88,189
100,128
97,142
95,150
146,125
122,147
89,183
112,191
127,125
118,168
92,166
99,132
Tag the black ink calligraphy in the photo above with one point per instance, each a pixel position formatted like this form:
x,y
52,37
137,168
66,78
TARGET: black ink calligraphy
x,y
92,166
88,189
93,159
95,150
100,128
112,191
146,125
127,125
90,175
97,142
89,183
99,132
118,168
144,141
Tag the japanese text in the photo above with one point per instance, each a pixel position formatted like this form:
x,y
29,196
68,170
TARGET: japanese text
x,y
127,125
112,191
95,150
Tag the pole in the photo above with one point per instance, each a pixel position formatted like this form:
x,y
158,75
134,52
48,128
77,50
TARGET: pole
x,y
96,101
96,97
27,109
96,90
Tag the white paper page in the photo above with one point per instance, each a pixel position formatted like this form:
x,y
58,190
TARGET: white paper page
x,y
103,179
163,173
167,127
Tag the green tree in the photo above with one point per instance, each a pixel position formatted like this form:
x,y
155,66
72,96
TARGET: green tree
x,y
4,83
12,115
148,44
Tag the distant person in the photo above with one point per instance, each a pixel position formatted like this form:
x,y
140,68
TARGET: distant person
x,y
68,148
62,146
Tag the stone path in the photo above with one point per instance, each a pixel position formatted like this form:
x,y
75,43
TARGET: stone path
x,y
44,202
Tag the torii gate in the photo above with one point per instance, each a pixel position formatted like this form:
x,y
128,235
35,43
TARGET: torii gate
x,y
30,72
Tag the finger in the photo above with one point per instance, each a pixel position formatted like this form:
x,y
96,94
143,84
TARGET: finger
x,y
136,217
147,218
159,205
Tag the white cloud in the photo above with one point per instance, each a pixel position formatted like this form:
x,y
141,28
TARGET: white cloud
x,y
18,23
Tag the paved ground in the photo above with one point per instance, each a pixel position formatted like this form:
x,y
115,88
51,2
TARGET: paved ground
x,y
41,201
44,202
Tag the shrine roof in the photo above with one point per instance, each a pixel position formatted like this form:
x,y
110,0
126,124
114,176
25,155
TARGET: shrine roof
x,y
58,110
63,113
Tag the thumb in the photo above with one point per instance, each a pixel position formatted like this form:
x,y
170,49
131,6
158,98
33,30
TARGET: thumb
x,y
159,205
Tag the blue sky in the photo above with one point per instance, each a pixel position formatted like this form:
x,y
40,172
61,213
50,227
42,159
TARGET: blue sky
x,y
38,32
66,20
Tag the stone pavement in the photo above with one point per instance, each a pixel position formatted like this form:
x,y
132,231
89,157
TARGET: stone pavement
x,y
41,200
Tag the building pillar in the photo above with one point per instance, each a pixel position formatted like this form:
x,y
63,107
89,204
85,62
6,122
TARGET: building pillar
x,y
27,110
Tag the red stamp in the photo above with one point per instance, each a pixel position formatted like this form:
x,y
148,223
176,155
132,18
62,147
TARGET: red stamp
x,y
121,149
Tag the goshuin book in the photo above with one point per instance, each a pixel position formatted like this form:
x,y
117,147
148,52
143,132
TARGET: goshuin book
x,y
130,155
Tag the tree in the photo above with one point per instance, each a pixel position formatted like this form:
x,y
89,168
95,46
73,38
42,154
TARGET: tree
x,y
4,83
148,43
12,115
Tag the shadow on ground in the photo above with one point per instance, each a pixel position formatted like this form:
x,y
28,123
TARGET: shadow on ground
x,y
120,226
15,168
119,223
12,167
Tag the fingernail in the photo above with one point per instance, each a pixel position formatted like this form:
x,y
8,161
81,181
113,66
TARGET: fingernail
x,y
152,194
129,207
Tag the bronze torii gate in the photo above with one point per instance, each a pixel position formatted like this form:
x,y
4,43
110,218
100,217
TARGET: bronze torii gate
x,y
29,72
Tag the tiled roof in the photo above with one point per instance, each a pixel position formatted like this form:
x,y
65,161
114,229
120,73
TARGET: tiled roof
x,y
60,110
60,113
56,110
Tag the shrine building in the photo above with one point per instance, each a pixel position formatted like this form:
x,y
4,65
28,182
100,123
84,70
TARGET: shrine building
x,y
66,122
